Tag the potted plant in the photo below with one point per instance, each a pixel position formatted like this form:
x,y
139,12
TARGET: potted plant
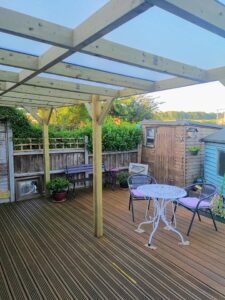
x,y
122,178
194,150
58,188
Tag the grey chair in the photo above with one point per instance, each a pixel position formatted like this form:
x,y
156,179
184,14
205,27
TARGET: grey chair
x,y
134,181
198,199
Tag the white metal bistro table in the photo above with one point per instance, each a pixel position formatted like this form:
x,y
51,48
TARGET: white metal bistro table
x,y
162,195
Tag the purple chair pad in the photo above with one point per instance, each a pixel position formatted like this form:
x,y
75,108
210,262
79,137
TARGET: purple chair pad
x,y
137,194
192,202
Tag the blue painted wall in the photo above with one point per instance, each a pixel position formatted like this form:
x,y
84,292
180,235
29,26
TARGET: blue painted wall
x,y
211,164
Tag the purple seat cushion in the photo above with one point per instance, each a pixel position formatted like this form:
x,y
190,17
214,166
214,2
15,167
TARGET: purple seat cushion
x,y
136,194
192,202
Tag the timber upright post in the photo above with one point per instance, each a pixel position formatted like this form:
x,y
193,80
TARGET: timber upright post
x,y
97,167
46,115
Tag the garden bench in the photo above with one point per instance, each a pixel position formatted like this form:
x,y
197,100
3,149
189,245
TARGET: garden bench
x,y
72,171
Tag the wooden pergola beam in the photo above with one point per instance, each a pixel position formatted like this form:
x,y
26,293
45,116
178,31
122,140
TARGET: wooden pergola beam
x,y
25,61
109,17
120,53
23,100
33,28
211,75
42,99
208,14
54,93
58,84
105,109
34,113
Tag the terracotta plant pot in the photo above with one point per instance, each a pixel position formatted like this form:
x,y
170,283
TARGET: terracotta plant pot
x,y
59,196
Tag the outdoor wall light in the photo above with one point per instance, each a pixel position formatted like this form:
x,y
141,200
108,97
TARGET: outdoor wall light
x,y
192,132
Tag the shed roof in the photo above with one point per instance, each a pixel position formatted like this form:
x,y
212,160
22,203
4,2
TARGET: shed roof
x,y
217,137
180,123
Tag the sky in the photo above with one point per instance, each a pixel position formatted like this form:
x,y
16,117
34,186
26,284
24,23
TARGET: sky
x,y
155,31
208,97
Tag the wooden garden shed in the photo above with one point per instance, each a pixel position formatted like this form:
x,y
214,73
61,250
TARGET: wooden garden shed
x,y
166,149
214,158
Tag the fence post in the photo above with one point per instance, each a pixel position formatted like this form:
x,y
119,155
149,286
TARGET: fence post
x,y
139,153
86,160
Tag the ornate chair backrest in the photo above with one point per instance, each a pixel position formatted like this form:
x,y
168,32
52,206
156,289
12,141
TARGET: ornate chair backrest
x,y
136,180
203,191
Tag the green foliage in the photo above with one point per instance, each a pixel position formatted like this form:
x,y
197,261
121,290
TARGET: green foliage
x,y
58,184
21,126
114,137
218,206
120,137
218,201
69,117
122,177
134,109
194,148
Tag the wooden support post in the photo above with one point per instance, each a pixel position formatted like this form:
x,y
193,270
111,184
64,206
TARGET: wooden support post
x,y
46,115
46,154
97,167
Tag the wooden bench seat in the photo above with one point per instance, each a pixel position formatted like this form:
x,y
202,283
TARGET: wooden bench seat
x,y
72,172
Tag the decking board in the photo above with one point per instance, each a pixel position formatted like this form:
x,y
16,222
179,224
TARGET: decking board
x,y
48,251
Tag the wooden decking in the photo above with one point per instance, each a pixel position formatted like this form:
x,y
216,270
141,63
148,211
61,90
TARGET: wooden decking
x,y
48,251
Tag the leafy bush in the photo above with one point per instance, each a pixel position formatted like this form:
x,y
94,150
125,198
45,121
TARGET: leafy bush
x,y
218,207
117,135
122,177
194,148
58,184
21,126
122,137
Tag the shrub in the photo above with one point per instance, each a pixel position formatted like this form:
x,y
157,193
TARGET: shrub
x,y
58,184
218,206
194,148
116,135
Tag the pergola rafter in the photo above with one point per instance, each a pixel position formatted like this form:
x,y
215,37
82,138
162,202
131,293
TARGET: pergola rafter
x,y
28,89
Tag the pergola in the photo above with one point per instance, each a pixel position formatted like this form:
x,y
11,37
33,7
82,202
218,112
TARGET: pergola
x,y
30,90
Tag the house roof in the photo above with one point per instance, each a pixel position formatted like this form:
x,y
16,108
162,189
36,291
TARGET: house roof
x,y
217,137
180,123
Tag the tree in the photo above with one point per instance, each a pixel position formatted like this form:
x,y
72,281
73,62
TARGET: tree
x,y
69,117
135,108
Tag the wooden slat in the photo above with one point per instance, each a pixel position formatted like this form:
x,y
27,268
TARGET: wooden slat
x,y
84,267
121,53
30,62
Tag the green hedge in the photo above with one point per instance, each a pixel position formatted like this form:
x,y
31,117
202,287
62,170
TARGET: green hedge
x,y
115,137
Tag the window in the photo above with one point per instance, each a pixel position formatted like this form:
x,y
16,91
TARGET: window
x,y
221,163
150,136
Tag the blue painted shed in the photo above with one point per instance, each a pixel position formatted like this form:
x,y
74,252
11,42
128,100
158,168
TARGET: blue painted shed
x,y
214,159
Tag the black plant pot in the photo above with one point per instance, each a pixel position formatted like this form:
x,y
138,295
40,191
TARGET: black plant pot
x,y
124,184
194,152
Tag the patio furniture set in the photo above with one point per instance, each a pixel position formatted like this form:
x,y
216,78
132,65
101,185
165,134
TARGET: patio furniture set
x,y
195,198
